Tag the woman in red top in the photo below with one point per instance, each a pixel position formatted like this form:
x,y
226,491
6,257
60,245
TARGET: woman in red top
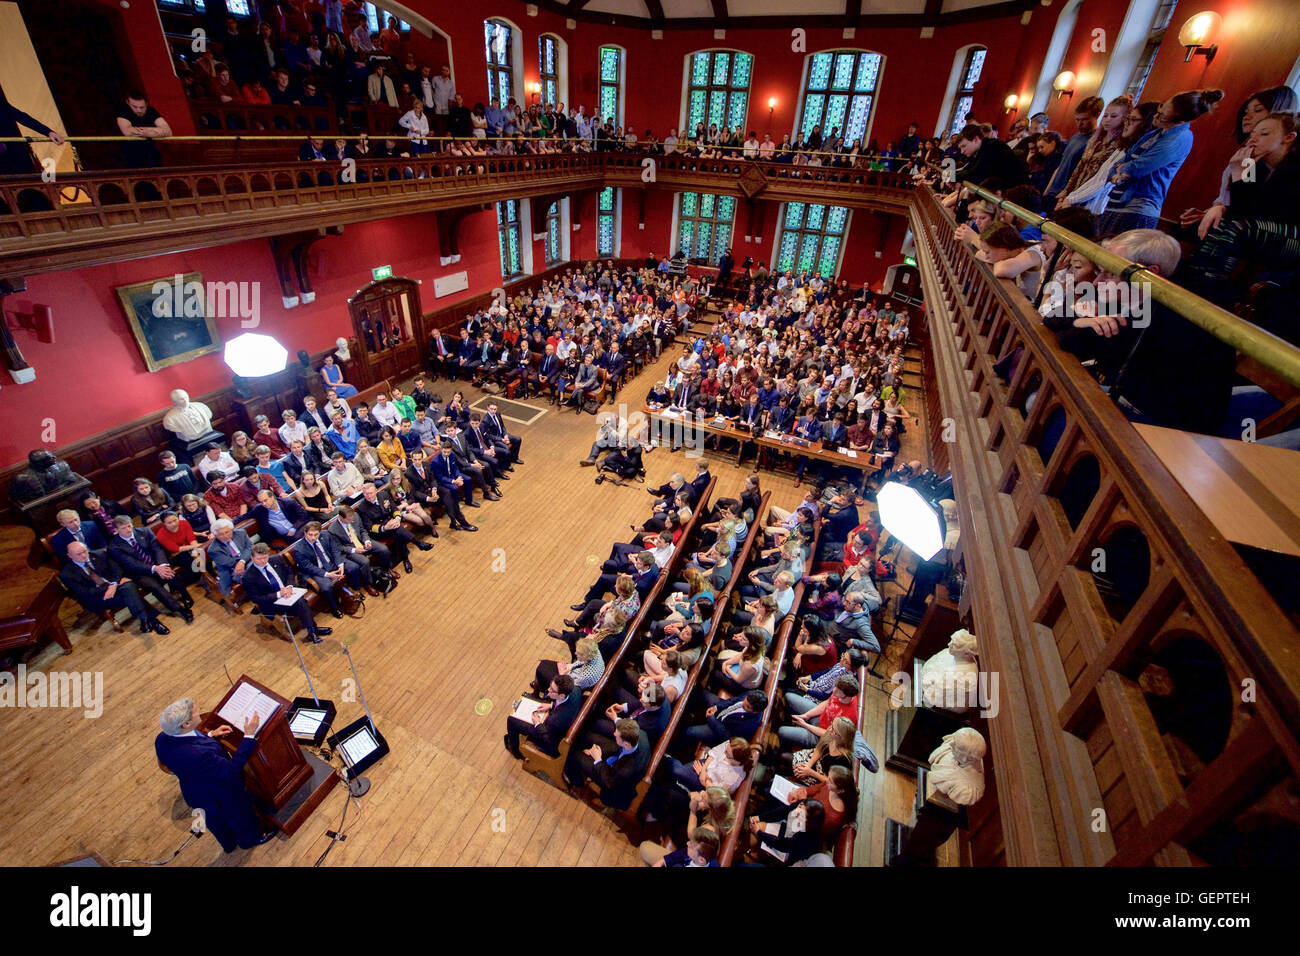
x,y
180,540
837,794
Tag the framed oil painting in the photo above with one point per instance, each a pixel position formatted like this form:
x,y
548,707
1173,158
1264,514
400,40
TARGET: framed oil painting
x,y
170,319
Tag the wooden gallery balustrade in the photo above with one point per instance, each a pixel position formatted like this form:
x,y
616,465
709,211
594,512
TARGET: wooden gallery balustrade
x,y
1148,713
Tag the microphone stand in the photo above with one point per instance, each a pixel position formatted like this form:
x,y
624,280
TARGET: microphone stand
x,y
358,785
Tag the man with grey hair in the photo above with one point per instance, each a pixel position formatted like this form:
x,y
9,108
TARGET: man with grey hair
x,y
231,551
212,779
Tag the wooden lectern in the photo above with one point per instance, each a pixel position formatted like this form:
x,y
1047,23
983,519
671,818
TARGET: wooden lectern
x,y
288,781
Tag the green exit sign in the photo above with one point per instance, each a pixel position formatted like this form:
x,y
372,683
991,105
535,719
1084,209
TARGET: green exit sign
x,y
907,261
382,272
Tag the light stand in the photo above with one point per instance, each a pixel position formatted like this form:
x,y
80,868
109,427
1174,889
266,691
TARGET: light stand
x,y
310,719
360,743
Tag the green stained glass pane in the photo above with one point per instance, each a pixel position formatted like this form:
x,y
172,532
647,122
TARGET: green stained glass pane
x,y
608,64
690,203
868,70
726,207
609,102
607,199
703,234
855,127
717,108
836,109
789,245
836,219
695,114
707,201
685,233
829,257
740,72
721,239
819,71
515,266
739,107
794,215
815,216
605,234
813,105
721,69
842,78
807,252
700,69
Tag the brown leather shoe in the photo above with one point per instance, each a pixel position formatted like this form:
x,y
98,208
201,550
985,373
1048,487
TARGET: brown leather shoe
x,y
397,575
373,592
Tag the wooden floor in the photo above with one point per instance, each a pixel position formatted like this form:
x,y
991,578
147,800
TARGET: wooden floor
x,y
439,661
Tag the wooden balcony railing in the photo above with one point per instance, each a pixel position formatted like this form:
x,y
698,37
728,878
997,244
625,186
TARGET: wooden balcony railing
x,y
1150,685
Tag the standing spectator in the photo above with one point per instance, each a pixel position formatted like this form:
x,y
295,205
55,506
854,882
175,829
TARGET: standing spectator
x,y
140,121
379,87
1085,121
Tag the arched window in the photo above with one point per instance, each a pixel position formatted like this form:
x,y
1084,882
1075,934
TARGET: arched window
x,y
512,264
556,247
961,87
717,89
552,69
498,49
811,239
1054,62
609,97
377,19
704,225
1133,52
607,231
1147,57
236,8
839,88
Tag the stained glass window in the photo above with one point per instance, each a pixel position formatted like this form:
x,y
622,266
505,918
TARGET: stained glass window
x,y
812,238
238,8
611,84
548,69
554,245
607,223
717,89
839,91
508,234
965,96
497,52
704,224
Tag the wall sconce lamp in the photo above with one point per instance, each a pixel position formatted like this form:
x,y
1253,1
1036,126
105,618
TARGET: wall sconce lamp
x,y
535,89
1197,33
1064,84
1012,103
771,106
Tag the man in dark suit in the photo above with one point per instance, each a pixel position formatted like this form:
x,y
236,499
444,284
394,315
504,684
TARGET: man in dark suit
x,y
142,559
548,371
379,516
851,627
211,780
354,541
320,560
230,552
451,485
644,575
485,448
724,719
700,482
424,489
615,364
442,356
481,469
650,710
98,584
494,427
550,722
782,417
279,518
73,529
618,772
269,579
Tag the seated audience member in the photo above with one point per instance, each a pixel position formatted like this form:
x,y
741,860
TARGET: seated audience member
x,y
494,427
585,669
278,518
314,497
266,465
701,850
292,430
343,434
744,669
650,709
267,579
216,460
296,463
332,376
142,559
616,765
228,499
196,511
100,512
177,480
800,831
319,450
368,464
264,434
812,720
72,528
230,552
451,486
550,722
98,584
149,501
183,545
724,719
359,549
835,749
382,519
320,562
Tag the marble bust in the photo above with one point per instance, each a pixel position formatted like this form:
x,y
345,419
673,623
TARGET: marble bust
x,y
188,420
957,767
950,679
342,352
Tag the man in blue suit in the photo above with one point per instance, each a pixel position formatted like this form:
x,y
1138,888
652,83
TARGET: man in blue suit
x,y
211,780
724,719
451,484
74,530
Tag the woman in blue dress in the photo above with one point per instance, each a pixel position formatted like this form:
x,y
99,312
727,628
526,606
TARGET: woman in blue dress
x,y
333,376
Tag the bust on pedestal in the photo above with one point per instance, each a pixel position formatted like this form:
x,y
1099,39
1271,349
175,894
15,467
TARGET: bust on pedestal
x,y
954,782
191,426
36,492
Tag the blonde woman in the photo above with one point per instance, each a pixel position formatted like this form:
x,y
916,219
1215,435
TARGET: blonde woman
x,y
711,809
835,749
412,513
586,668
368,463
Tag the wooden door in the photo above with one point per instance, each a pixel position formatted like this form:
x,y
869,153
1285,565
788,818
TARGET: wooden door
x,y
386,326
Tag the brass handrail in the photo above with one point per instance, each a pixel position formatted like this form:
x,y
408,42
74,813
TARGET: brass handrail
x,y
1266,348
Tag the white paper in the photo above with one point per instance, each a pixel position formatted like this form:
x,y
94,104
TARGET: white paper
x,y
849,451
774,829
526,709
292,598
243,703
305,723
781,788
669,413
359,746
